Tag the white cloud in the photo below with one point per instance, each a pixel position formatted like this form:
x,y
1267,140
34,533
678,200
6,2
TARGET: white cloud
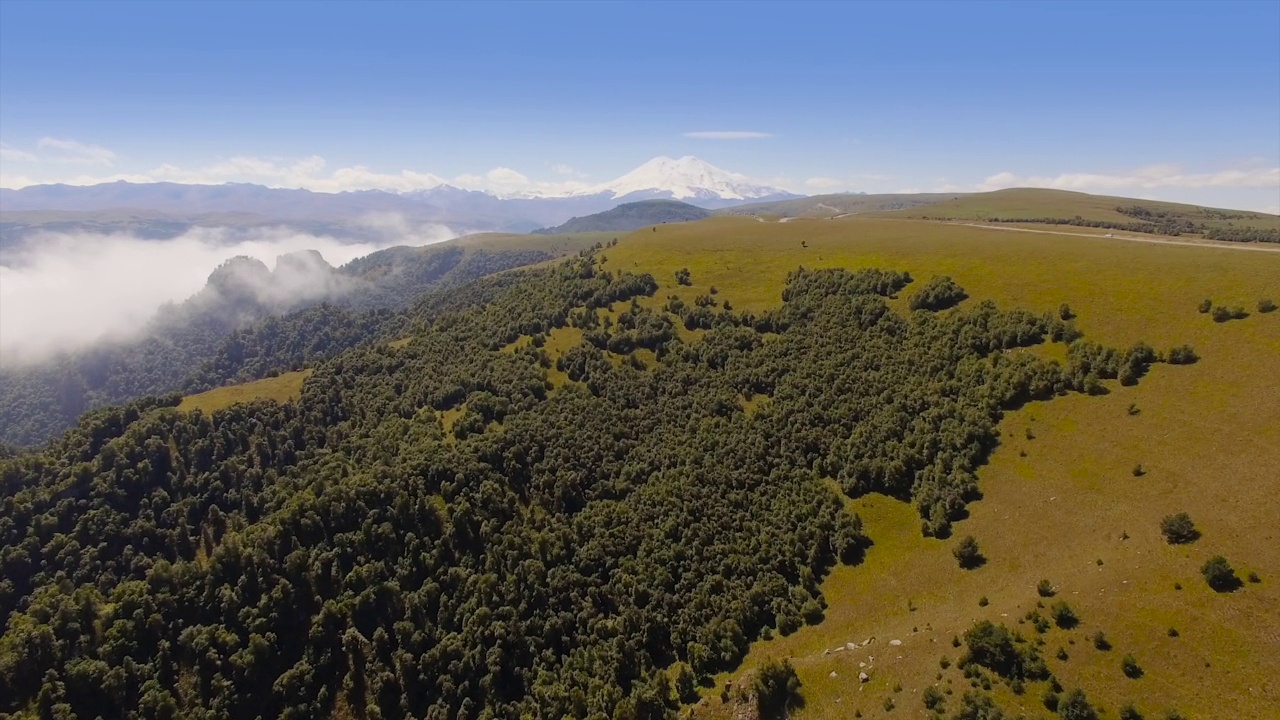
x,y
310,172
824,183
1146,178
9,153
72,152
65,291
727,135
562,169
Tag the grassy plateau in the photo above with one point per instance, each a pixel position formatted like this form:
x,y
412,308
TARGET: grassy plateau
x,y
1061,501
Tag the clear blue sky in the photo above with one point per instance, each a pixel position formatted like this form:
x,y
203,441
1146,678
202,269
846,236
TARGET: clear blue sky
x,y
1178,100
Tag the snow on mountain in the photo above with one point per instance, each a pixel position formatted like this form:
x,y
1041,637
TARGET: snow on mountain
x,y
681,179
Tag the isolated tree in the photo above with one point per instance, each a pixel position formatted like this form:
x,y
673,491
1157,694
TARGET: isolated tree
x,y
686,685
1178,529
1130,667
991,646
1063,616
1219,574
968,554
1065,312
1205,306
1100,641
1075,706
1129,712
777,688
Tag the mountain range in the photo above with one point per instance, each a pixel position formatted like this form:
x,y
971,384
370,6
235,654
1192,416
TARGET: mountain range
x,y
168,209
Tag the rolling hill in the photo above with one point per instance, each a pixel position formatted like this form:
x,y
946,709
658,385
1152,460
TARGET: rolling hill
x,y
632,216
1060,497
632,482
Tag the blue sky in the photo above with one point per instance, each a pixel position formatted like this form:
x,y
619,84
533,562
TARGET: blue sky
x,y
1168,100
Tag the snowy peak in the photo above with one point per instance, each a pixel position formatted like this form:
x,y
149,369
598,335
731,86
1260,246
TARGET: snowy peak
x,y
687,177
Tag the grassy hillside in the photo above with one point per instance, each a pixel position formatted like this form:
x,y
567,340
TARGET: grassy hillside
x,y
1036,208
1060,498
557,244
282,388
841,204
1040,206
632,216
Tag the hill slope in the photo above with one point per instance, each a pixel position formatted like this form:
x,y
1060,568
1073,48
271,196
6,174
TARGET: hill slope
x,y
1060,207
249,320
632,216
589,488
1059,494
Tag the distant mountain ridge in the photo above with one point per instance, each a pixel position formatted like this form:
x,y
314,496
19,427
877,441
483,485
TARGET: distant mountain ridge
x,y
173,206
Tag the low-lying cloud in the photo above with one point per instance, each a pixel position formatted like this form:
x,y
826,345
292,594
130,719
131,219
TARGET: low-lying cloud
x,y
65,291
727,135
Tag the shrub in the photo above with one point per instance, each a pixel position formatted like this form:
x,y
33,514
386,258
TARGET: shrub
x,y
1129,712
1076,707
1046,589
993,647
1134,409
1219,574
1253,577
1064,312
1129,665
968,554
1062,654
1178,529
1205,306
1222,313
683,277
932,698
1051,700
1173,632
1138,470
777,688
1100,641
1182,355
983,602
1063,616
1266,305
974,706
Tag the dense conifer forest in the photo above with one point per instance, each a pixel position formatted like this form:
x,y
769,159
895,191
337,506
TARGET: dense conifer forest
x,y
559,549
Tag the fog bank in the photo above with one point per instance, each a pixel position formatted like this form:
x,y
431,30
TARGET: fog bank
x,y
65,291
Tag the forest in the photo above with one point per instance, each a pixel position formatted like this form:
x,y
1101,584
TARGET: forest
x,y
226,333
560,549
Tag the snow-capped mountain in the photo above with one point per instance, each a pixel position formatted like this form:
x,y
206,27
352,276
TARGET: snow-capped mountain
x,y
176,207
685,178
